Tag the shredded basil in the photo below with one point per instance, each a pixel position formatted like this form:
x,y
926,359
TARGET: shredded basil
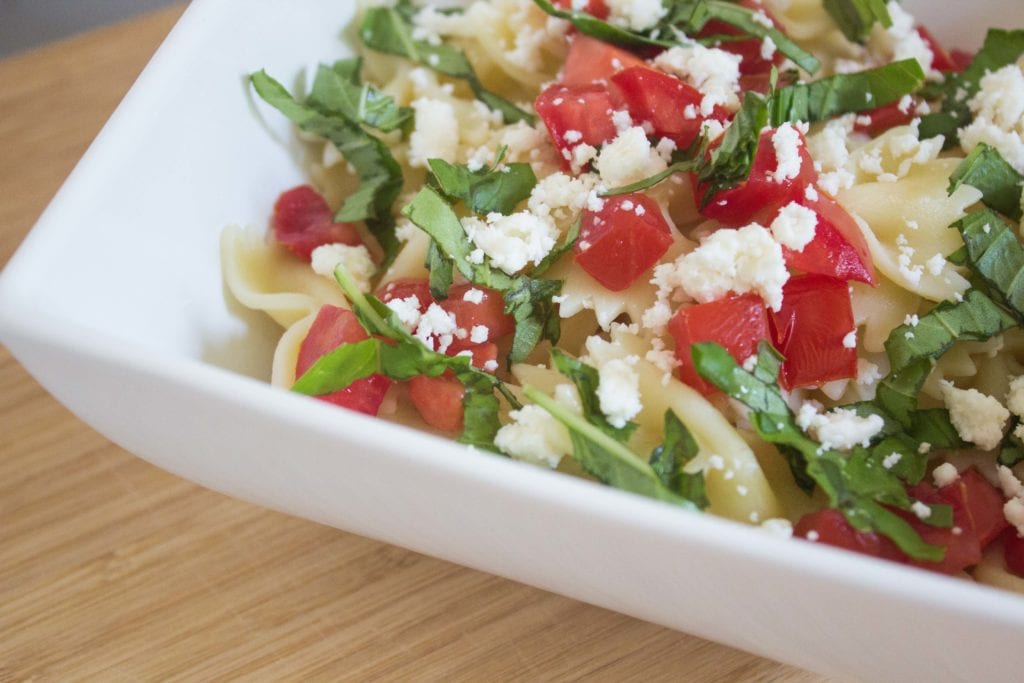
x,y
488,190
855,18
857,484
586,380
389,29
996,255
999,182
670,458
380,176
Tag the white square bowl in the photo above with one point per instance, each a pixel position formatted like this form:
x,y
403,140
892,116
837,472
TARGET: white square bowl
x,y
115,304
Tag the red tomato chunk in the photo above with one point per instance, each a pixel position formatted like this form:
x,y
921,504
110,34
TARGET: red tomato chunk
x,y
332,327
622,240
578,115
766,190
877,121
749,50
810,331
591,60
438,401
737,322
670,106
830,527
838,249
1013,552
302,222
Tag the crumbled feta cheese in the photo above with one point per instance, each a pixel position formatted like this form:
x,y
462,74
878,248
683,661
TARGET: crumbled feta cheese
x,y
840,428
850,340
637,15
1015,396
618,390
978,418
436,134
787,143
580,156
629,158
560,195
901,41
911,319
356,260
1009,483
511,242
998,111
867,372
572,136
534,436
479,334
744,260
810,194
622,120
1013,510
473,296
436,323
945,474
715,73
407,310
936,264
794,226
891,460
921,510
768,48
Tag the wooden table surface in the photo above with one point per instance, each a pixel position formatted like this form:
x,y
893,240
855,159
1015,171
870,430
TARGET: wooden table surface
x,y
111,569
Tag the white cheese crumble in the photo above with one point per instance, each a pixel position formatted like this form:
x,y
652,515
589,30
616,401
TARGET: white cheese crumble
x,y
407,310
921,510
945,474
638,15
355,259
1015,396
534,436
795,225
850,340
436,135
998,111
891,460
715,73
978,418
1013,510
744,260
473,296
511,242
629,158
479,334
618,390
787,143
560,195
840,428
435,322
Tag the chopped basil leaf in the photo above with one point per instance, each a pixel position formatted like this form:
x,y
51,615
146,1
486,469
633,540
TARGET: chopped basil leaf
x,y
856,484
337,90
586,379
389,30
560,249
1012,450
1001,48
339,368
669,459
651,181
380,176
999,182
440,269
855,18
604,457
496,190
590,25
730,162
745,20
912,350
996,255
845,93
527,299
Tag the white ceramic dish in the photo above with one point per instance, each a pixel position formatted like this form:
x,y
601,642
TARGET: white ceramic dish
x,y
115,304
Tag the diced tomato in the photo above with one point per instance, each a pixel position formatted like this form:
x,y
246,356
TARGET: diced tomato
x,y
438,401
622,240
838,249
332,327
961,59
302,222
595,8
590,60
662,100
576,116
749,50
761,82
982,502
962,549
737,322
1013,552
403,288
877,121
830,527
485,356
809,331
941,60
489,313
761,195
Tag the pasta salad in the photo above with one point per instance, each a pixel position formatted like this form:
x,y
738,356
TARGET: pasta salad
x,y
757,258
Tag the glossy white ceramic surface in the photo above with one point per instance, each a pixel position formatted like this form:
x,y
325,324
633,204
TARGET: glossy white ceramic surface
x,y
115,304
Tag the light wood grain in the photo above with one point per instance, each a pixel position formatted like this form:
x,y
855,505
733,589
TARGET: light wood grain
x,y
111,569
